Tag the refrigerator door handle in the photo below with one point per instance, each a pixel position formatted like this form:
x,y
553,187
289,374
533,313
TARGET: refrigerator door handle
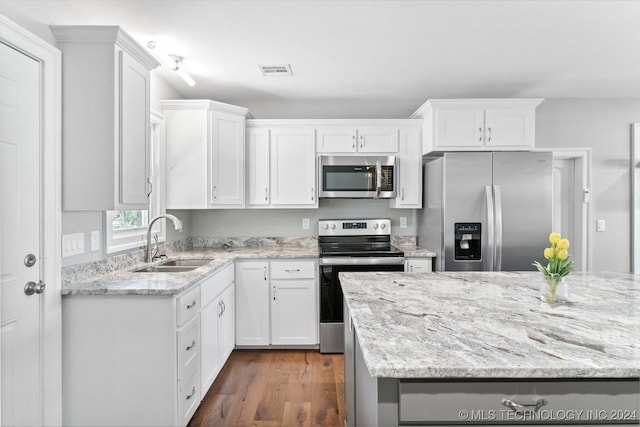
x,y
490,246
498,214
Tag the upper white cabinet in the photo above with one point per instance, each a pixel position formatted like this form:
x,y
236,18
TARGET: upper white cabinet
x,y
352,138
105,118
478,124
205,154
282,167
409,174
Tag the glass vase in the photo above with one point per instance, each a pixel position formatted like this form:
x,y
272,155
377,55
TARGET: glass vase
x,y
554,290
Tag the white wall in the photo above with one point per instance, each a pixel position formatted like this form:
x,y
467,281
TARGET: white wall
x,y
604,126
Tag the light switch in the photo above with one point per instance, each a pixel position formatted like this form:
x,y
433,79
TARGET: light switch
x,y
600,225
72,244
305,223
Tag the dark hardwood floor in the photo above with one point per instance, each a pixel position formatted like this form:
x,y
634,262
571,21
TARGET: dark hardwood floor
x,y
276,388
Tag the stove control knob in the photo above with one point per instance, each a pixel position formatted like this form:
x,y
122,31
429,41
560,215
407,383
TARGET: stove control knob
x,y
383,226
375,226
333,226
326,226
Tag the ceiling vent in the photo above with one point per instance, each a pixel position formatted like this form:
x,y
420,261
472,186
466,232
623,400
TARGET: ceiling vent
x,y
275,70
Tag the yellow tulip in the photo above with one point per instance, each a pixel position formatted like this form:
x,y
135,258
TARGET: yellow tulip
x,y
563,254
563,244
548,252
554,237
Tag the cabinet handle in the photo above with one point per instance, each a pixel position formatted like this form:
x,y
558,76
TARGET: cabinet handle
x,y
479,134
411,268
193,391
193,304
312,194
274,293
150,187
292,270
219,308
266,194
361,141
265,273
489,136
402,193
215,192
521,407
353,142
224,306
193,344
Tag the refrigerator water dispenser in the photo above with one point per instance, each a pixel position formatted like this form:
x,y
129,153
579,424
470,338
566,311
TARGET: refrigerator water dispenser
x,y
468,242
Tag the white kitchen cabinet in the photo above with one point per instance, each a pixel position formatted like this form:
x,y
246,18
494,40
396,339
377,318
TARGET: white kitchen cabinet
x,y
409,174
217,335
282,166
478,124
105,119
354,138
276,303
252,303
418,265
205,154
163,350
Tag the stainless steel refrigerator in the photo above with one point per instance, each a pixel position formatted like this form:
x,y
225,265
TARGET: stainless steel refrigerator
x,y
487,211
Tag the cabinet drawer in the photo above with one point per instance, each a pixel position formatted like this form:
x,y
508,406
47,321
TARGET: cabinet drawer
x,y
214,285
293,270
188,305
188,340
188,398
559,402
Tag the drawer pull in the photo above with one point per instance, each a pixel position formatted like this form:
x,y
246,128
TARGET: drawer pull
x,y
193,391
193,304
522,407
193,344
296,270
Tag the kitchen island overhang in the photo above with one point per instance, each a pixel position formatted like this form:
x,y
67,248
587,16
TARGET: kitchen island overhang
x,y
487,327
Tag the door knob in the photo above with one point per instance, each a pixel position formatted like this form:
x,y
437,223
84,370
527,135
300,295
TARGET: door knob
x,y
34,288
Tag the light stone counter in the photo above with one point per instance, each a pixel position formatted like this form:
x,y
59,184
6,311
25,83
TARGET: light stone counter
x,y
126,282
493,325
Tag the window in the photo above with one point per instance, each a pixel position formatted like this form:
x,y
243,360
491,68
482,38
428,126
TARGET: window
x,y
128,229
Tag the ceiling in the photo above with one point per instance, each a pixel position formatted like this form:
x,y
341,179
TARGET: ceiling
x,y
396,53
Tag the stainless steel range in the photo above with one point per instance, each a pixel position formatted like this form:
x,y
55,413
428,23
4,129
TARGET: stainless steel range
x,y
349,245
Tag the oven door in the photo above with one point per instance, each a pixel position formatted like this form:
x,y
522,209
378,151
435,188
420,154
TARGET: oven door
x,y
331,300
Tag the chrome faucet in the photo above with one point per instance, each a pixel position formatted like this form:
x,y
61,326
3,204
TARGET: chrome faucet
x,y
177,224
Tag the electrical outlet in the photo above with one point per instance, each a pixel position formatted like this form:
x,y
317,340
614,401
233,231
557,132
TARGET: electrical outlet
x,y
95,240
600,225
403,222
305,223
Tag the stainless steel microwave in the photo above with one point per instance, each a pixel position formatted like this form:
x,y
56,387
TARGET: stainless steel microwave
x,y
357,177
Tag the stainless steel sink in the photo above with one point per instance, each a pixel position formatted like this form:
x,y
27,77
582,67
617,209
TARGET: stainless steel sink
x,y
165,269
186,262
174,266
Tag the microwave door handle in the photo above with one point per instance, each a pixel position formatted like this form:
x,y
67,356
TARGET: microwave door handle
x,y
378,178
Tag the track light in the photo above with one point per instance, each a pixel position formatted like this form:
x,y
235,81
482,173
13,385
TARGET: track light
x,y
174,62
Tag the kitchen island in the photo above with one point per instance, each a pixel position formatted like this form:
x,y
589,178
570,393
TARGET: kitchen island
x,y
469,348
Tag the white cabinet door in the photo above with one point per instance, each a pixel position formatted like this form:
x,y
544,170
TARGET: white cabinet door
x,y
459,127
209,360
509,127
227,160
186,136
258,164
252,303
293,171
409,176
377,139
294,319
135,154
226,325
337,139
418,265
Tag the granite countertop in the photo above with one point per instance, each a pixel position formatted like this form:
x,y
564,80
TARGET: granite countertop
x,y
126,282
494,325
413,251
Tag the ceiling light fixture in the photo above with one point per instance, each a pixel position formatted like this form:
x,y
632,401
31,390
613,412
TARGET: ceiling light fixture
x,y
174,62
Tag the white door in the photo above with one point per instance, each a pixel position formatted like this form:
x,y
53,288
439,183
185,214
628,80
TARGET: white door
x,y
252,303
377,140
293,312
20,236
293,172
227,160
258,164
509,127
459,127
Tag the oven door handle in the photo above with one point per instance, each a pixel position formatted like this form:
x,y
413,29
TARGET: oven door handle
x,y
362,261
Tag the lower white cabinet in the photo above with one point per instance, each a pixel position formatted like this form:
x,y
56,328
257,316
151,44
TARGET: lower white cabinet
x,y
418,265
277,303
144,360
